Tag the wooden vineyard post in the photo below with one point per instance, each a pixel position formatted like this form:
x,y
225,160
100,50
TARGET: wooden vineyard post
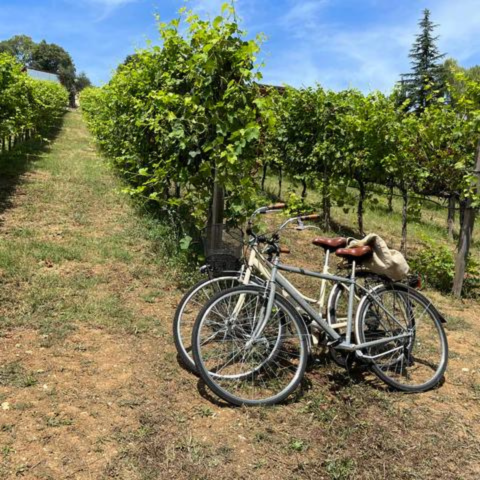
x,y
217,204
466,234
214,233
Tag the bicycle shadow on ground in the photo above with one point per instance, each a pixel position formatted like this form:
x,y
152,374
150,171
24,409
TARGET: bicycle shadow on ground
x,y
360,374
207,395
184,367
320,372
337,378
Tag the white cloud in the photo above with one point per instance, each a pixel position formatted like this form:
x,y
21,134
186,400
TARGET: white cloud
x,y
208,7
106,7
302,14
339,55
246,10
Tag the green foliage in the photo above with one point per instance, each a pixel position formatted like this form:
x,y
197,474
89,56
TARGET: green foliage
x,y
27,105
19,46
178,117
82,81
52,58
436,264
182,115
47,57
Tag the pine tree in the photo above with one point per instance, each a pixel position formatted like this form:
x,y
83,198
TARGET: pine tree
x,y
427,79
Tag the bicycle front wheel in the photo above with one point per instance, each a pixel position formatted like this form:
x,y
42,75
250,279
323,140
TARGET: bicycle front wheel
x,y
240,365
415,358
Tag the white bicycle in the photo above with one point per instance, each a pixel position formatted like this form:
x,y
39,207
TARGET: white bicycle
x,y
256,271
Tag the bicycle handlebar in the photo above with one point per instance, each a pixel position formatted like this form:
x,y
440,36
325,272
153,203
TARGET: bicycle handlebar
x,y
313,216
274,208
262,210
277,206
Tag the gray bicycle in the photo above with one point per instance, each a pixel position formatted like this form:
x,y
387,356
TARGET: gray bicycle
x,y
251,345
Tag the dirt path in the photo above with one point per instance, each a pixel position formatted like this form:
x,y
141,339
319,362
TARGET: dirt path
x,y
89,383
79,282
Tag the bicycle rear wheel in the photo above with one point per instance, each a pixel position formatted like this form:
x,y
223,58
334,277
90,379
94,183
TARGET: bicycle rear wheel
x,y
188,309
416,362
239,367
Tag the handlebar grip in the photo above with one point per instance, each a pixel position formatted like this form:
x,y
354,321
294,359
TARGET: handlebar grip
x,y
277,206
313,216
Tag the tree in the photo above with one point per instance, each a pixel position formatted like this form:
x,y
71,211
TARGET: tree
x,y
21,47
427,72
469,112
274,140
82,81
365,123
47,57
52,58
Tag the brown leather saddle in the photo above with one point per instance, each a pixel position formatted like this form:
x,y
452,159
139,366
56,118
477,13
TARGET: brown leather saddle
x,y
338,245
330,244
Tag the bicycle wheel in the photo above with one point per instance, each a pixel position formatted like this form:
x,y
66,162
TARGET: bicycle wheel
x,y
188,309
337,309
417,361
239,367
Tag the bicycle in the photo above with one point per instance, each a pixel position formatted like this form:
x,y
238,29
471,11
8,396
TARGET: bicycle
x,y
220,267
254,270
251,345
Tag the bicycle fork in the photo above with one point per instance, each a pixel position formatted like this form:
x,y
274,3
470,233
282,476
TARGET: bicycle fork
x,y
266,310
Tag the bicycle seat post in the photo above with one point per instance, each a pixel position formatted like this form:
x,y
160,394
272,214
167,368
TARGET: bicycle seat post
x,y
323,285
351,298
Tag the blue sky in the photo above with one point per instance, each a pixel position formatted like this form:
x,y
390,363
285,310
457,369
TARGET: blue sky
x,y
338,43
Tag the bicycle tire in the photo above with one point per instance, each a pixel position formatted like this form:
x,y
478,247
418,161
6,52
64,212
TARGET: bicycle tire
x,y
422,353
225,385
182,327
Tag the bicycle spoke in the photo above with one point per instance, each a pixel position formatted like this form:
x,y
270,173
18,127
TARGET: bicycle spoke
x,y
251,366
414,361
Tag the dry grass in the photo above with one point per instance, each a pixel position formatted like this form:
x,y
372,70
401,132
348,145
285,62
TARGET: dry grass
x,y
90,386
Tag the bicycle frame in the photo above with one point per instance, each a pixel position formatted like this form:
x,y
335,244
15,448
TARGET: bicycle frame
x,y
258,262
336,339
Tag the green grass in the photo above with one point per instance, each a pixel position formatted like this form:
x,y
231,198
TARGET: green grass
x,y
75,244
75,253
14,374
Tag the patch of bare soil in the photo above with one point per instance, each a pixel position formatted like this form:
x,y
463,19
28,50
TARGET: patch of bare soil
x,y
64,418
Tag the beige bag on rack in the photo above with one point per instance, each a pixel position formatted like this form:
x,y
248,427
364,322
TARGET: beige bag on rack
x,y
384,260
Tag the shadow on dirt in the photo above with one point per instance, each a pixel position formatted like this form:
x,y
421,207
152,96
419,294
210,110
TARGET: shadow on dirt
x,y
20,159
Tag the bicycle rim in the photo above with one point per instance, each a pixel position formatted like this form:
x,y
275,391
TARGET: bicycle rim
x,y
240,368
415,362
